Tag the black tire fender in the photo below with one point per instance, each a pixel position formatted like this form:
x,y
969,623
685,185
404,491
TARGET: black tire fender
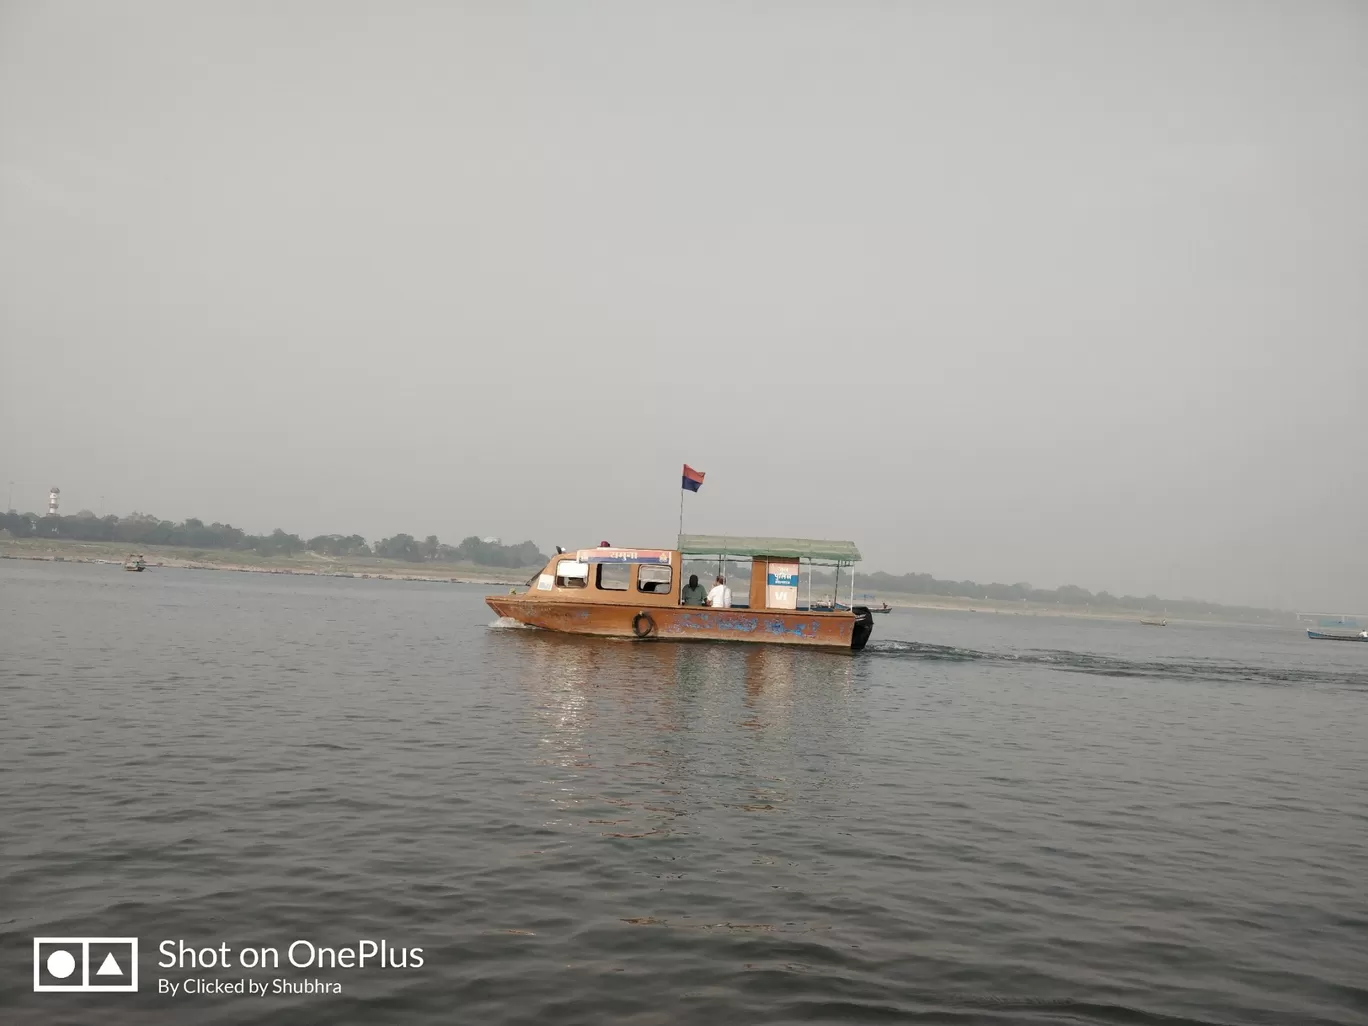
x,y
642,625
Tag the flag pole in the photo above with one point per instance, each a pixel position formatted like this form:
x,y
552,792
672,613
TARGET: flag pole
x,y
681,513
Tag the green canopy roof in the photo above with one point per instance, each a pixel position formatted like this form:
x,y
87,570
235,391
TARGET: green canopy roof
x,y
793,548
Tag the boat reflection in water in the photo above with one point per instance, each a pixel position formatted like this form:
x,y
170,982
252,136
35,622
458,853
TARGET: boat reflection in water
x,y
630,738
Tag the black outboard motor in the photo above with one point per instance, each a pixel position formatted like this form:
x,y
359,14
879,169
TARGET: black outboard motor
x,y
864,627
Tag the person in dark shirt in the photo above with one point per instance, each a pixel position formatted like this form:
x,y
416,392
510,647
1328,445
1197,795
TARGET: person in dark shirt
x,y
693,594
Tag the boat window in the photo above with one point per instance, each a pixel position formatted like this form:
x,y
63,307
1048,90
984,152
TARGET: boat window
x,y
572,574
654,578
614,576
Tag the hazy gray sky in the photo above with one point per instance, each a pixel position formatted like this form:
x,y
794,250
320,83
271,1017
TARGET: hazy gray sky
x,y
1070,292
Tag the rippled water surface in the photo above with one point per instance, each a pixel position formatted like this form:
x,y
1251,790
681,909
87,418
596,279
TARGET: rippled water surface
x,y
982,819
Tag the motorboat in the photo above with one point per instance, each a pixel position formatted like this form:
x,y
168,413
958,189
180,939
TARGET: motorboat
x,y
638,594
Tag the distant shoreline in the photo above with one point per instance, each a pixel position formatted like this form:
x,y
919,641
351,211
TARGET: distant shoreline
x,y
107,553
192,543
312,565
952,604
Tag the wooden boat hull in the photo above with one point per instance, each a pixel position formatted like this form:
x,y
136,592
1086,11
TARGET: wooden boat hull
x,y
831,631
1318,636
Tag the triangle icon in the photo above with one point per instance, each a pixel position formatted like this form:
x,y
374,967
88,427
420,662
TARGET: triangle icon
x,y
109,967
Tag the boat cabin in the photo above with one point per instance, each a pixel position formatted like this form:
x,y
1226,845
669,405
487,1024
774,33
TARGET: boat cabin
x,y
780,573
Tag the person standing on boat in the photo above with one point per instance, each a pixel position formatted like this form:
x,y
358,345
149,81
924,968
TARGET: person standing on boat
x,y
720,596
693,594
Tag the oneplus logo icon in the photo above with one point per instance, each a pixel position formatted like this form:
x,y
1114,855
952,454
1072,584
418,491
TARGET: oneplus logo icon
x,y
88,964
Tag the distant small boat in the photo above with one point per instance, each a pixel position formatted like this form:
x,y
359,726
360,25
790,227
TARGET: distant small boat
x,y
826,606
885,608
1322,636
135,563
1155,623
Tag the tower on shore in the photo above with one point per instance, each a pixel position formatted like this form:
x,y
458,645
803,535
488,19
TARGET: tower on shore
x,y
52,500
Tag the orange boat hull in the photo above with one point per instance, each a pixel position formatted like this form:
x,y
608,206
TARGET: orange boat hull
x,y
651,622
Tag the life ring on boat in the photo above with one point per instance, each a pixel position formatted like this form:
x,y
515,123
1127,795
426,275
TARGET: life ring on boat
x,y
642,625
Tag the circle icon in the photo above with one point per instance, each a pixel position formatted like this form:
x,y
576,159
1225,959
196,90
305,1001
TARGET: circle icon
x,y
61,964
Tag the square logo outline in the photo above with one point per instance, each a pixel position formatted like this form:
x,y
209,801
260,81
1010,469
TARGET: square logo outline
x,y
85,986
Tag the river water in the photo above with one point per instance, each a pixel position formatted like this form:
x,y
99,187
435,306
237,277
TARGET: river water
x,y
981,819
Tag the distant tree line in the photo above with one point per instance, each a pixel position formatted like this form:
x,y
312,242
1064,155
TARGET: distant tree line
x,y
471,550
143,529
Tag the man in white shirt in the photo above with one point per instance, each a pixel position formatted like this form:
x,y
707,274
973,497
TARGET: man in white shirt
x,y
720,596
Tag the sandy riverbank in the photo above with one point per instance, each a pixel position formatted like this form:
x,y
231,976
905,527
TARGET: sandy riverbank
x,y
989,608
307,564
